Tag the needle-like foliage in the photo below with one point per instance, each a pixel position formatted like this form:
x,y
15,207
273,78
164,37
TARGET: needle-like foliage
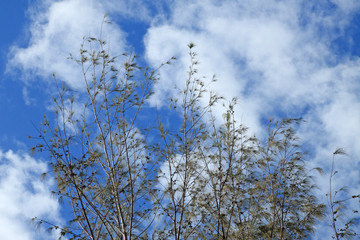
x,y
198,177
99,156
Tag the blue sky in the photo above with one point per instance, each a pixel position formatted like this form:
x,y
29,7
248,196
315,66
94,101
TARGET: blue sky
x,y
280,58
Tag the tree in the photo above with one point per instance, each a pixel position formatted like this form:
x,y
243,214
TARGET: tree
x,y
181,174
290,207
337,201
202,178
99,157
221,184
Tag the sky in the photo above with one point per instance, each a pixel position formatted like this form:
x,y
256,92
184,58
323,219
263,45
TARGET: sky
x,y
279,58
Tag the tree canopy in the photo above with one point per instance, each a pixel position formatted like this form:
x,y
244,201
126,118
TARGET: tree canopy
x,y
130,175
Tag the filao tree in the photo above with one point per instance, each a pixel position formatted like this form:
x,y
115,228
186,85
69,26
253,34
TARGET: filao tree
x,y
342,224
127,174
98,154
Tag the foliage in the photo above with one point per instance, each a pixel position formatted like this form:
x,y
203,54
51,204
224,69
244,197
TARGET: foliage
x,y
289,204
197,178
98,155
337,202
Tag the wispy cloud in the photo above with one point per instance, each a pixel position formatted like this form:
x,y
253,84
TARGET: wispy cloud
x,y
57,29
271,55
24,195
279,58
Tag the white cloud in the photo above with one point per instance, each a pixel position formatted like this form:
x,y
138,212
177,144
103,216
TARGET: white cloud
x,y
253,55
57,29
261,51
28,100
136,10
277,57
347,5
24,195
